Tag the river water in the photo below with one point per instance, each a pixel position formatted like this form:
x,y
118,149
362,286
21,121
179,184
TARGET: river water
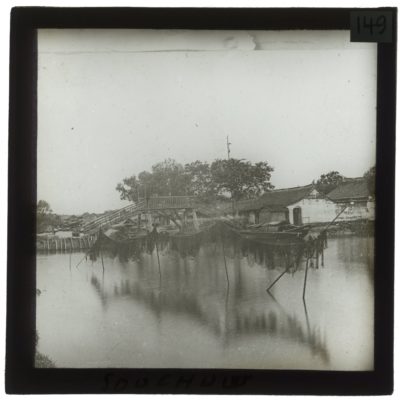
x,y
184,314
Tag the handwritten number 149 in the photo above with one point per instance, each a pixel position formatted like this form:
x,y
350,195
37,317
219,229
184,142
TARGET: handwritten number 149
x,y
372,24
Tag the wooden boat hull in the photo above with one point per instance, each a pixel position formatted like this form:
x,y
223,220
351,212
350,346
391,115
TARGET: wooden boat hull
x,y
294,236
272,237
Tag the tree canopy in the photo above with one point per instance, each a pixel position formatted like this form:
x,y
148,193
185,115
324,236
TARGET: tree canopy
x,y
240,178
45,216
43,207
232,178
327,182
370,176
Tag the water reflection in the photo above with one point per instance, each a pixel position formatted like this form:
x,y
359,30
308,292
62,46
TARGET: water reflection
x,y
189,316
229,323
281,254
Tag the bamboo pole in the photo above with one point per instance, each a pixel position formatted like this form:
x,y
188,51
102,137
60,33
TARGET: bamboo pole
x,y
102,261
226,268
322,257
277,279
280,276
305,281
158,259
306,314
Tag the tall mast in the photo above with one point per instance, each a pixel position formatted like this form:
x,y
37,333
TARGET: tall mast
x,y
228,147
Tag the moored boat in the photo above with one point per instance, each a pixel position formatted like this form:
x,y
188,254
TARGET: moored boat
x,y
275,232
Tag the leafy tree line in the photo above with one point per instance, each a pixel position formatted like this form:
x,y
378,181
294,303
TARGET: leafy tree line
x,y
45,217
229,178
232,178
327,182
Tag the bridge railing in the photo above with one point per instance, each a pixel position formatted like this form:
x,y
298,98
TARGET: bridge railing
x,y
154,203
113,217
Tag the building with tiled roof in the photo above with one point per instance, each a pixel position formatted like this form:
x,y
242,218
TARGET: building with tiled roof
x,y
351,189
298,205
353,195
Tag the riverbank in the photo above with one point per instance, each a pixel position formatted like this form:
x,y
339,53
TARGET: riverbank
x,y
41,360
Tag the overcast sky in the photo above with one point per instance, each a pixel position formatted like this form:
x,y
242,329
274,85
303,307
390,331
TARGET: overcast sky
x,y
111,103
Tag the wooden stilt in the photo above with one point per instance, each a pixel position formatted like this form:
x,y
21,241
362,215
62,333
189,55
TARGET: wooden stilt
x,y
322,257
102,261
306,314
195,220
276,280
79,263
305,280
226,268
158,259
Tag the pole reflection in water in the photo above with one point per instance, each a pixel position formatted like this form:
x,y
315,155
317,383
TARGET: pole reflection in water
x,y
193,319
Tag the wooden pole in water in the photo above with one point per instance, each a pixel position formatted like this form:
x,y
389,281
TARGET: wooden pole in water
x,y
226,268
102,261
277,279
305,280
158,259
80,262
322,255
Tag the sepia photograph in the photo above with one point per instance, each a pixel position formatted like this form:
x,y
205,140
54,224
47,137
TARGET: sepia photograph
x,y
205,199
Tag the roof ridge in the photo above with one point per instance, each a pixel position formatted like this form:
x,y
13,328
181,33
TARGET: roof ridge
x,y
289,188
358,178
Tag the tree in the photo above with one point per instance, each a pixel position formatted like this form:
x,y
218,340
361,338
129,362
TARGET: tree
x,y
45,216
43,207
237,178
370,176
129,188
240,178
167,178
199,180
327,182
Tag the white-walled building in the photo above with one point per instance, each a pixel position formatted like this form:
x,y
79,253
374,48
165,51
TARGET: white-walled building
x,y
353,194
312,207
298,205
306,205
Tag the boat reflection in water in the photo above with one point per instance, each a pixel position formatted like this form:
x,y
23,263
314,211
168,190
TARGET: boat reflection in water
x,y
202,303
